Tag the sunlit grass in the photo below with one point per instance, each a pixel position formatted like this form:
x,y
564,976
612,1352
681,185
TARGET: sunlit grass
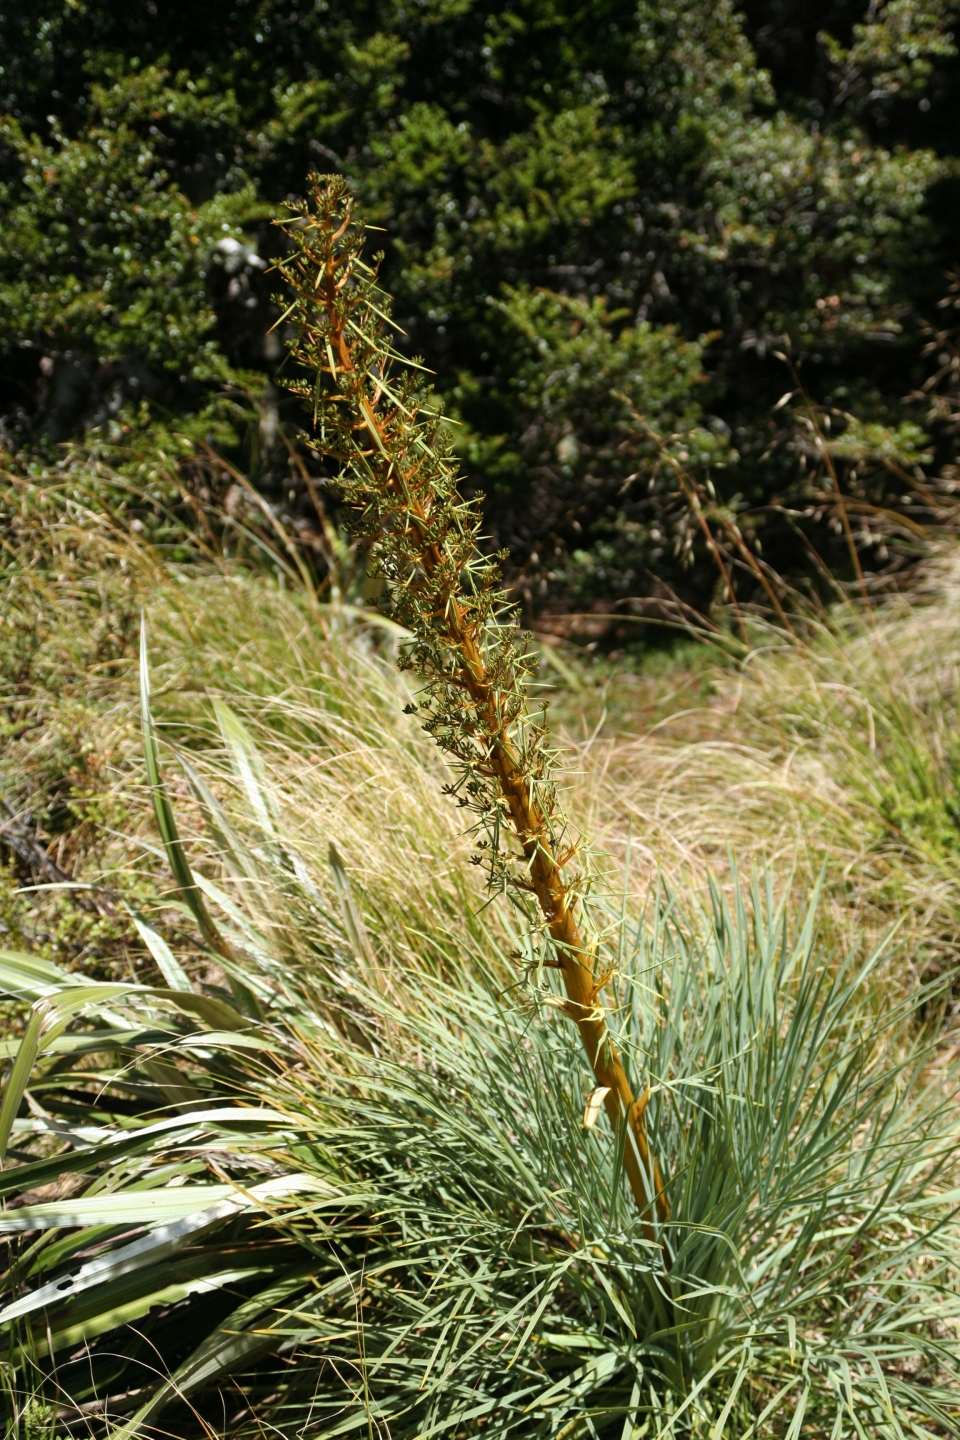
x,y
839,753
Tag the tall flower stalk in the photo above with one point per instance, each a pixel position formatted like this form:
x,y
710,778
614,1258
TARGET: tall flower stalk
x,y
374,416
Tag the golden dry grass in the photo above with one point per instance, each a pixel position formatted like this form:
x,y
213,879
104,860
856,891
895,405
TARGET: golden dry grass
x,y
839,754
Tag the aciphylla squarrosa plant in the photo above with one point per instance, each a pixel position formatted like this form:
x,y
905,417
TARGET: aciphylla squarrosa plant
x,y
374,416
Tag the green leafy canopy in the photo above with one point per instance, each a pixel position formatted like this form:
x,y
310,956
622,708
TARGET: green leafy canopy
x,y
629,167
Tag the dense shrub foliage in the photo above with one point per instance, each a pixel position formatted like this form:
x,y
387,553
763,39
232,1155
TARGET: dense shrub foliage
x,y
604,222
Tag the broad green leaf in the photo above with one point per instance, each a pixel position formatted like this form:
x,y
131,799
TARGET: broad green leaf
x,y
215,1013
170,967
249,770
70,1336
222,1041
163,810
20,1072
30,978
90,1042
192,1126
178,1212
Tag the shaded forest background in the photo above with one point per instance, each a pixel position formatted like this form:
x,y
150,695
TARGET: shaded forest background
x,y
608,225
